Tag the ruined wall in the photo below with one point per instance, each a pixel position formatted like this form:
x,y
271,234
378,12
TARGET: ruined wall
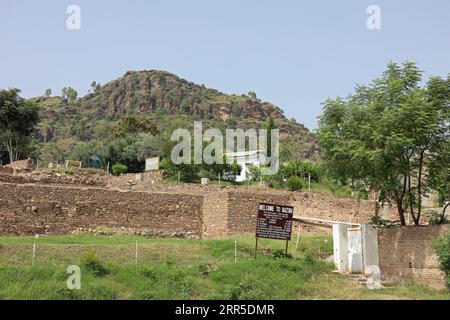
x,y
317,205
215,215
407,253
21,165
79,178
47,209
47,202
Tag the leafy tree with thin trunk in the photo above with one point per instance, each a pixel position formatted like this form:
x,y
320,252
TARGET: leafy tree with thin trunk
x,y
386,135
18,118
72,94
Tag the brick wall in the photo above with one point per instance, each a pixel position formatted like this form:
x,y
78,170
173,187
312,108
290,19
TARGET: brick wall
x,y
407,253
47,209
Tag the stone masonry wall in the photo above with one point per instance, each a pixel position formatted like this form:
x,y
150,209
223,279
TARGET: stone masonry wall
x,y
215,215
53,204
27,209
317,205
407,253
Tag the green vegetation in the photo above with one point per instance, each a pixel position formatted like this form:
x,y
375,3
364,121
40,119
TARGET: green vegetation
x,y
17,120
294,183
384,136
119,169
442,248
133,117
92,263
181,269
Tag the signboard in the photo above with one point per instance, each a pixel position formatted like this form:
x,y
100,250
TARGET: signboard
x,y
73,163
151,164
274,221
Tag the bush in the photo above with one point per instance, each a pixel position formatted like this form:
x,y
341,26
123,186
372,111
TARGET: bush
x,y
294,183
245,290
118,169
148,272
91,263
378,222
280,254
442,248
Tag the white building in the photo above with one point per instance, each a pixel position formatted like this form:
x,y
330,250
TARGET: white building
x,y
245,159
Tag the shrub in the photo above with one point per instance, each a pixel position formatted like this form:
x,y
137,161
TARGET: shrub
x,y
118,169
148,272
245,290
294,183
92,263
442,248
280,254
378,222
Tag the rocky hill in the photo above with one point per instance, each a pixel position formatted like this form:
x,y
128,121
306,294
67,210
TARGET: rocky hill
x,y
163,96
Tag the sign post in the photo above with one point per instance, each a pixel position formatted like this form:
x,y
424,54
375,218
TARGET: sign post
x,y
274,222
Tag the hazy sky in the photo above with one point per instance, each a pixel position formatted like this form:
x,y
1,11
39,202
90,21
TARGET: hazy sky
x,y
292,53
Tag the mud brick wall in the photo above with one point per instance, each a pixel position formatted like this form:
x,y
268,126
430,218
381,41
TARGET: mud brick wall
x,y
45,209
243,208
215,215
407,253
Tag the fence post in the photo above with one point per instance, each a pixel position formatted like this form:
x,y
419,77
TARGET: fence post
x,y
136,255
34,253
298,238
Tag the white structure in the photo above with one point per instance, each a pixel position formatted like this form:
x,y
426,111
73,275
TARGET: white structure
x,y
151,164
340,246
355,256
355,248
245,159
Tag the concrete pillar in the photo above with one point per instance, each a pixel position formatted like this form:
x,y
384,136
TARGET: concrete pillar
x,y
340,247
369,247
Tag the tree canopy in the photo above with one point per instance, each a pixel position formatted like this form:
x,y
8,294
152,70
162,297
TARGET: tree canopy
x,y
387,135
17,120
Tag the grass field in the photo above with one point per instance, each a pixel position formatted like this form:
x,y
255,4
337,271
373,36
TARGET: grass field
x,y
180,269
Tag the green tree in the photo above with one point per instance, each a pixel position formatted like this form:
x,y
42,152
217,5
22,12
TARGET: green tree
x,y
385,135
48,92
18,118
95,86
252,95
72,94
64,93
83,151
439,168
134,124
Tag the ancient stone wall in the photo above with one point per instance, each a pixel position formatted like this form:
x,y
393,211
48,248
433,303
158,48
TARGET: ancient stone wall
x,y
407,253
215,215
46,209
318,205
21,165
55,204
